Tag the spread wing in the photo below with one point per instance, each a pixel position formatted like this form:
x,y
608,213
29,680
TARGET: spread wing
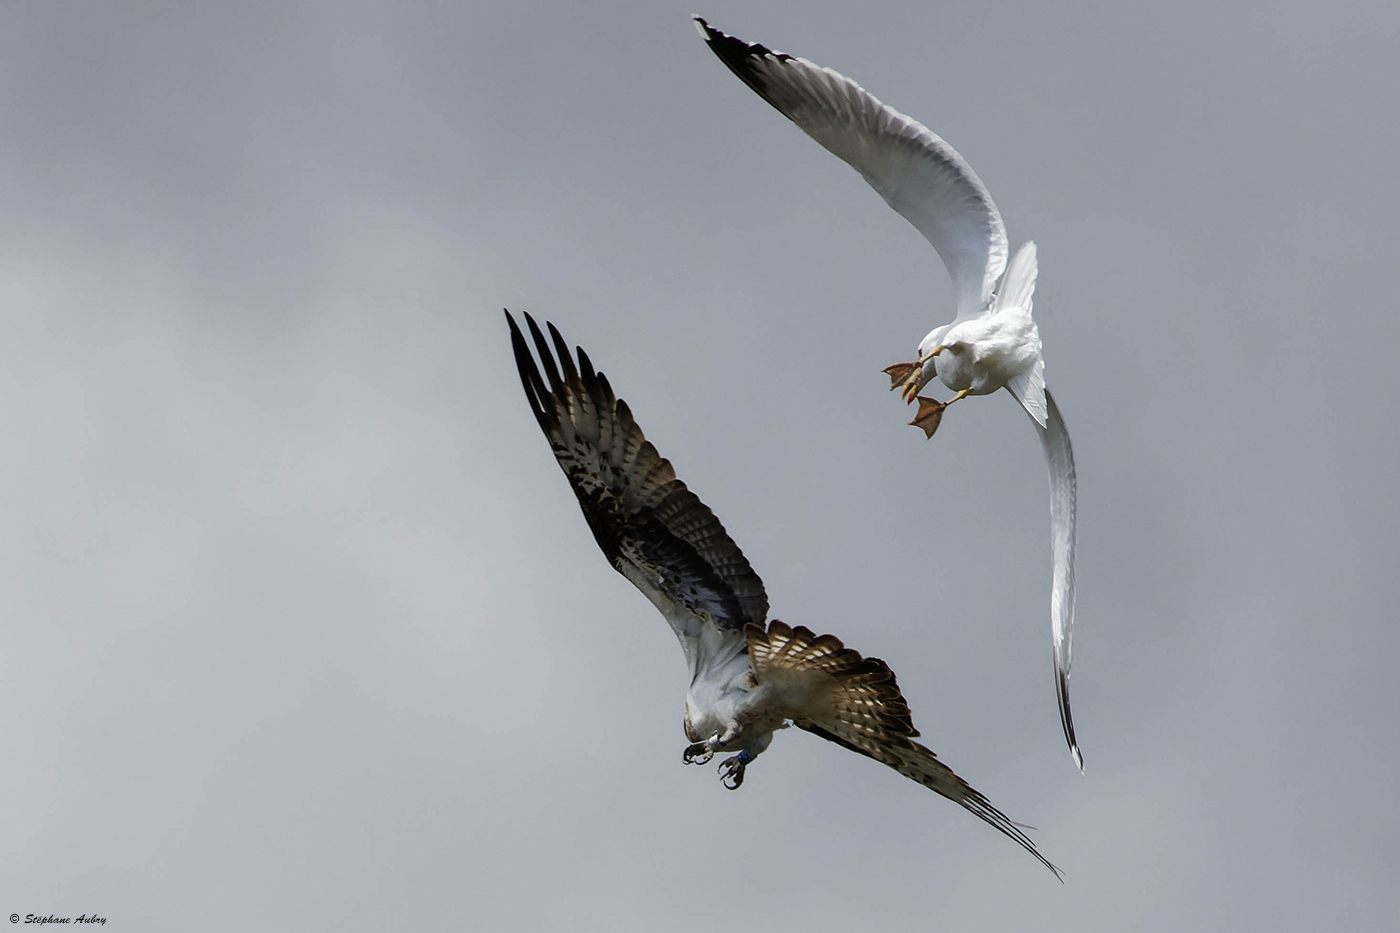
x,y
651,528
854,701
1059,459
916,172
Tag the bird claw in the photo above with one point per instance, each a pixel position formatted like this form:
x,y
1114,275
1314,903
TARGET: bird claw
x,y
930,415
698,754
731,770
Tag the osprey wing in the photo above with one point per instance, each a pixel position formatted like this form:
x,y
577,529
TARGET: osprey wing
x,y
652,529
855,702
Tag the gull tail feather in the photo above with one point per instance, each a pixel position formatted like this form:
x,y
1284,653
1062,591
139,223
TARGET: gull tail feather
x,y
1016,292
1029,390
1018,285
1059,460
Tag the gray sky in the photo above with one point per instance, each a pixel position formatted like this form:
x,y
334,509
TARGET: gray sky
x,y
303,629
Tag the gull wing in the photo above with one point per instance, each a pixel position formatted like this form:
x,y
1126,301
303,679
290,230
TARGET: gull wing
x,y
1059,459
854,701
652,529
916,172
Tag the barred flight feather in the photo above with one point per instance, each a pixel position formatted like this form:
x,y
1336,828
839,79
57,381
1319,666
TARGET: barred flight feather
x,y
640,514
860,708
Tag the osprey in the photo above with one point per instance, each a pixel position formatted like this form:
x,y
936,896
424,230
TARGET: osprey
x,y
993,342
749,677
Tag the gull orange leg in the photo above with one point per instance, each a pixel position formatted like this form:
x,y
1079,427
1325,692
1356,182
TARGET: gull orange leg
x,y
913,381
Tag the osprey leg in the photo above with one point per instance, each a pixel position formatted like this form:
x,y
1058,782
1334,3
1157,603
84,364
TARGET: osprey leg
x,y
700,753
731,770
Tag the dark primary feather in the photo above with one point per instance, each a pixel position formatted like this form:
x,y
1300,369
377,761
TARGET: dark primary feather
x,y
640,514
743,58
859,706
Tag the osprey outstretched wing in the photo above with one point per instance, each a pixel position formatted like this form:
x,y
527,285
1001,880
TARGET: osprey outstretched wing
x,y
748,679
652,529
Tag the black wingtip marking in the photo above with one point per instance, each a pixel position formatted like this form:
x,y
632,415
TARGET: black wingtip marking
x,y
741,57
1067,718
733,45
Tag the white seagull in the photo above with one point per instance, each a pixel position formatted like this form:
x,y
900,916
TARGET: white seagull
x,y
747,679
993,342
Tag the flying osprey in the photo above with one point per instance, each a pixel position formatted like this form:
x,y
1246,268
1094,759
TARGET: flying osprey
x,y
993,342
747,678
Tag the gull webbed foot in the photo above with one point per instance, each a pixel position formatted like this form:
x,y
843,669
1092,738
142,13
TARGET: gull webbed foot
x,y
930,415
907,377
931,411
899,373
731,770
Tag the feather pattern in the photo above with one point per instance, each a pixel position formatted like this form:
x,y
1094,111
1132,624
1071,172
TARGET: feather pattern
x,y
649,525
854,701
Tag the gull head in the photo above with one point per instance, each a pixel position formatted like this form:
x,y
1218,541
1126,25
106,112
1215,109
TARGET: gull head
x,y
927,361
933,340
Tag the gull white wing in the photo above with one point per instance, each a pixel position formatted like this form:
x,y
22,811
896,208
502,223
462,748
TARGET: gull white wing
x,y
649,525
915,171
832,691
1059,459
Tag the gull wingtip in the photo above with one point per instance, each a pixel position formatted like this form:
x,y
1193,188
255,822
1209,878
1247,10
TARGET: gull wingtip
x,y
1066,717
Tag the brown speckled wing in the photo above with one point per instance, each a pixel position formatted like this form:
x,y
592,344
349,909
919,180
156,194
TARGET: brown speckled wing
x,y
652,529
855,702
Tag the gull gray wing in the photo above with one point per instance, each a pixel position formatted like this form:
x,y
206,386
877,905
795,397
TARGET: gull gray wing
x,y
649,525
1059,460
854,701
915,171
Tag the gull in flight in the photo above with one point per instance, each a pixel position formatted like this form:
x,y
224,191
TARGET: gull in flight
x,y
748,677
993,342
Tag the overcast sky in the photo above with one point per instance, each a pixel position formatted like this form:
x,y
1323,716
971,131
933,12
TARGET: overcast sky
x,y
303,628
